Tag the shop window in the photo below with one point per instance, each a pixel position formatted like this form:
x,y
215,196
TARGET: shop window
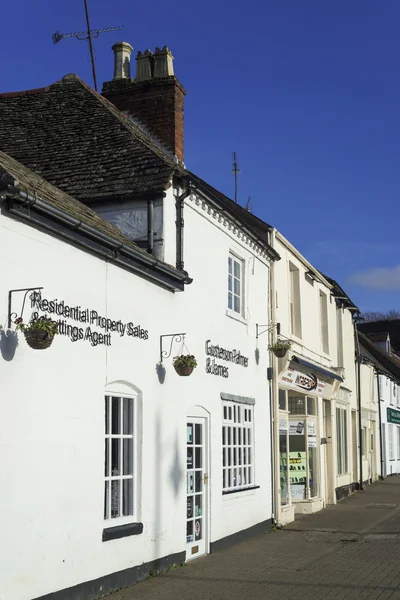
x,y
282,400
294,301
303,459
391,441
311,410
237,446
283,466
341,440
235,284
120,419
323,310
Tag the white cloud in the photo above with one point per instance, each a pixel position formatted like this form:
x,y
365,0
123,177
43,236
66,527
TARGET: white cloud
x,y
380,278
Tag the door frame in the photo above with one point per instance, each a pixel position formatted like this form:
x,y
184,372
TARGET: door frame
x,y
199,412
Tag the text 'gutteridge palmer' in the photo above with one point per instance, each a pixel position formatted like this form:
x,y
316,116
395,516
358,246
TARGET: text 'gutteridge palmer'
x,y
91,317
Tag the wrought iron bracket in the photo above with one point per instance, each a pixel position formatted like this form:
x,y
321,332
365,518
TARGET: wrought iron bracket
x,y
177,337
13,315
268,328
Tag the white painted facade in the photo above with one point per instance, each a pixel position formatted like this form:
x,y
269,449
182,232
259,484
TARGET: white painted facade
x,y
52,426
390,415
321,333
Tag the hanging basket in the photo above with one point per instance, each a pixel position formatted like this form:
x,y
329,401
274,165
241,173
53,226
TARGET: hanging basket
x,y
280,352
183,371
38,340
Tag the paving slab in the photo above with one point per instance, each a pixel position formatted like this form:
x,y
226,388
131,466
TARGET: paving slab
x,y
347,551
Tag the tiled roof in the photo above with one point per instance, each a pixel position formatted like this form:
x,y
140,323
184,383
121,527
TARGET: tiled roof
x,y
32,183
80,142
390,362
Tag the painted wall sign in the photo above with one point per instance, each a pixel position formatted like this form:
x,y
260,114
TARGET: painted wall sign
x,y
306,382
90,318
216,351
393,416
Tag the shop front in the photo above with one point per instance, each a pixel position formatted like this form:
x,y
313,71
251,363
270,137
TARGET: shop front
x,y
303,388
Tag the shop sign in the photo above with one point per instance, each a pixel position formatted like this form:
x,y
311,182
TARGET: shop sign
x,y
393,416
283,424
308,383
87,320
218,352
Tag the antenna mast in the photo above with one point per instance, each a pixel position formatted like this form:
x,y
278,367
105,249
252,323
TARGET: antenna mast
x,y
87,36
235,172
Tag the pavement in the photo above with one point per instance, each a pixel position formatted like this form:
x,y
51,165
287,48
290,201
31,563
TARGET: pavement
x,y
350,550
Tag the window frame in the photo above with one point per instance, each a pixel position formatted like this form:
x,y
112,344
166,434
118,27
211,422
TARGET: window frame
x,y
132,456
391,441
295,301
236,419
235,258
324,321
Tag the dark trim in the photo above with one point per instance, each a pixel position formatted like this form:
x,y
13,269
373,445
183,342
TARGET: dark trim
x,y
317,368
253,487
345,490
121,531
97,588
239,536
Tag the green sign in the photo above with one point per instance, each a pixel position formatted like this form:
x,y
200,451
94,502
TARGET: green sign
x,y
393,416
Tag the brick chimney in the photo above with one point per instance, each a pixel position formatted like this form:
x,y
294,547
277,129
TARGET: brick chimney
x,y
155,97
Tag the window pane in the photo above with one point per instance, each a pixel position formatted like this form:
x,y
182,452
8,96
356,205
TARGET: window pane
x,y
115,457
236,287
198,461
197,434
230,283
236,304
230,301
107,415
107,459
229,265
282,399
116,416
297,405
237,269
311,406
128,415
115,498
128,457
106,498
127,500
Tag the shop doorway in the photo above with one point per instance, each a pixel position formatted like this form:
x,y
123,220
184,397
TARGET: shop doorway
x,y
196,487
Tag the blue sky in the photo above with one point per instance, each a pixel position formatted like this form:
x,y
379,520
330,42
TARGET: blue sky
x,y
306,92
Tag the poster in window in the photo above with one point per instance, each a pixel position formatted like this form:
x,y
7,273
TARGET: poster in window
x,y
189,434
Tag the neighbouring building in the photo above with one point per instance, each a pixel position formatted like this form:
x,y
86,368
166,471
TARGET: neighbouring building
x,y
381,368
314,386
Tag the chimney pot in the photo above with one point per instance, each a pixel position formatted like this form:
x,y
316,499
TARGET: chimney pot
x,y
163,63
122,60
144,65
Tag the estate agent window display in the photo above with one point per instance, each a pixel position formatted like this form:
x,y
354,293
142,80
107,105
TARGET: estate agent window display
x,y
299,465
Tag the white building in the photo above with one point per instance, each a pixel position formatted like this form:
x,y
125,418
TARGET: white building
x,y
314,387
381,380
116,466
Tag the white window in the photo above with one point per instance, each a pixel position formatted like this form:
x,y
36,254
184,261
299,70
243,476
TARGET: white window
x,y
364,441
391,442
119,492
339,336
237,446
341,440
235,284
323,312
294,301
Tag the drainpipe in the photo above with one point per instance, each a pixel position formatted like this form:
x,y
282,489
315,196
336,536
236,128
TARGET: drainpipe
x,y
380,422
150,226
274,393
358,362
180,223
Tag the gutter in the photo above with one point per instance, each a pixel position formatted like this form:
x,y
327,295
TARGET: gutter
x,y
129,253
180,224
380,422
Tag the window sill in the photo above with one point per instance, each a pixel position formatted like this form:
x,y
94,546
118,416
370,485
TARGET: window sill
x,y
121,531
247,489
235,316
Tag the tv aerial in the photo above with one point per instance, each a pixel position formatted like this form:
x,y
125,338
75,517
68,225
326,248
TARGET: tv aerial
x,y
87,36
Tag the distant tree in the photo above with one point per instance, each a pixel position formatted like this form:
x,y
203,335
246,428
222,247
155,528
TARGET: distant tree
x,y
390,315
